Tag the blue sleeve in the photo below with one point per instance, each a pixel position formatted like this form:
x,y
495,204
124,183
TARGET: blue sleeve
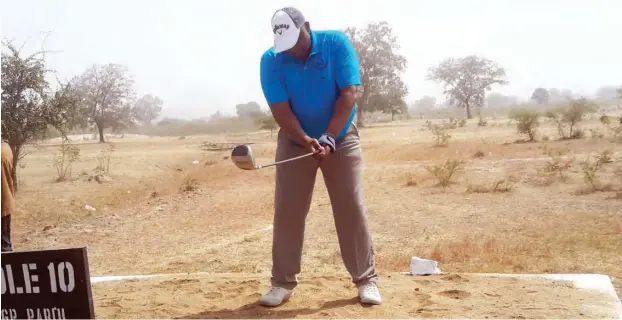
x,y
271,84
346,62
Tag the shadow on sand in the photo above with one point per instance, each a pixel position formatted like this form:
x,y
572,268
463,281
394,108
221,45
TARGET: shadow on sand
x,y
254,311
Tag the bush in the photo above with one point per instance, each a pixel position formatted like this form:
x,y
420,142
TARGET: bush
x,y
189,185
596,134
590,170
444,172
558,163
604,157
440,132
498,186
614,127
103,159
64,160
526,122
568,117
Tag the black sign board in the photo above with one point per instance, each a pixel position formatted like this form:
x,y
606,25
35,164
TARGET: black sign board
x,y
46,284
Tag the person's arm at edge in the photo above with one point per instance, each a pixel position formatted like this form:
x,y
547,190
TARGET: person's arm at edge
x,y
348,79
276,96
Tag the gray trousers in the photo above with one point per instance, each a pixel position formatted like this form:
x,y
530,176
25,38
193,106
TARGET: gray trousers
x,y
294,189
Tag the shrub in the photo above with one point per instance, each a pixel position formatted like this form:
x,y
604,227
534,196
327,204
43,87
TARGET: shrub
x,y
440,132
444,172
479,154
103,159
64,160
498,186
568,117
189,184
590,170
526,122
614,128
604,157
596,134
558,163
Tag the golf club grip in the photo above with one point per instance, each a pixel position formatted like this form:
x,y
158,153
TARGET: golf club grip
x,y
287,160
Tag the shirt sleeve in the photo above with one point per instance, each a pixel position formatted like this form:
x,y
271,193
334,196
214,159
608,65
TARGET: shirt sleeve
x,y
346,61
271,84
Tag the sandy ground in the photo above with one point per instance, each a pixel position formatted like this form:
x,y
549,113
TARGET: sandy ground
x,y
160,213
318,296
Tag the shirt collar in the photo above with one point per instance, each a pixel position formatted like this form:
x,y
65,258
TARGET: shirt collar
x,y
315,48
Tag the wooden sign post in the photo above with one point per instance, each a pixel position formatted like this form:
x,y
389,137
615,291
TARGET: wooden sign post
x,y
46,284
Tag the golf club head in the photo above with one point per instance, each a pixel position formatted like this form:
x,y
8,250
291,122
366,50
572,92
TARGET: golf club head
x,y
242,157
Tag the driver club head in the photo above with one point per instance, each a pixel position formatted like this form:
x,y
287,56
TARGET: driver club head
x,y
242,157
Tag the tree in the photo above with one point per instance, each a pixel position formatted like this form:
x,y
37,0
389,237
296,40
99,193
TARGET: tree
x,y
620,93
107,95
29,106
267,122
540,96
249,110
380,68
466,80
215,117
147,108
555,95
498,100
607,93
390,101
425,103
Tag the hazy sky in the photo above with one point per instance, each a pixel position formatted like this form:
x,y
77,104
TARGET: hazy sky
x,y
202,56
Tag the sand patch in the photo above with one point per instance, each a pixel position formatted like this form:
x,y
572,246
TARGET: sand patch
x,y
444,296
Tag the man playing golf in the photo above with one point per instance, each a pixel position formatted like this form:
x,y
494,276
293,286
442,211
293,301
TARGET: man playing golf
x,y
309,79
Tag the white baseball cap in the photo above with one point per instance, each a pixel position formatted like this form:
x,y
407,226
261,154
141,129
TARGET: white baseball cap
x,y
286,25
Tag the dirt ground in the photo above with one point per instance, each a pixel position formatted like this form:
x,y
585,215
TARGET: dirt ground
x,y
327,296
160,213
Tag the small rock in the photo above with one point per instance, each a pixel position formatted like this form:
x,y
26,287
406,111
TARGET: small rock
x,y
195,162
101,178
46,228
89,208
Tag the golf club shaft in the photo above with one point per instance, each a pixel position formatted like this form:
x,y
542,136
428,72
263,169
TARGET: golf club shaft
x,y
286,160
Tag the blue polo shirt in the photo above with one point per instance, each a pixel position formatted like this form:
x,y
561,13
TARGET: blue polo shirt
x,y
312,86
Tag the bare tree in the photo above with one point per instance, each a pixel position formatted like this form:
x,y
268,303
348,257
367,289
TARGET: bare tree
x,y
380,66
147,108
466,80
107,97
29,106
540,96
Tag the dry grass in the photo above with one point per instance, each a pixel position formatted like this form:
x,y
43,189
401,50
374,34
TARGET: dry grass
x,y
497,186
533,228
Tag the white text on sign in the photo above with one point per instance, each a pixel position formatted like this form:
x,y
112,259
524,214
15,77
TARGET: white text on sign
x,y
61,275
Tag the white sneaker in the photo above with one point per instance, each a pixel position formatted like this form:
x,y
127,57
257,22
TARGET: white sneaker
x,y
275,296
369,294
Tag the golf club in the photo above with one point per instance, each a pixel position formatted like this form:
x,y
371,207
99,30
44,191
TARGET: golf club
x,y
242,157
